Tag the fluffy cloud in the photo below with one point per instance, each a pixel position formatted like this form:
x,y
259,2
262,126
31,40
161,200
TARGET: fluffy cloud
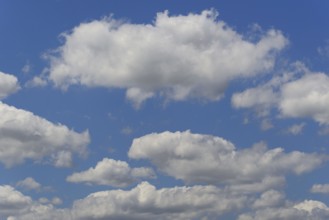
x,y
143,202
197,158
29,184
320,188
8,85
112,173
24,135
146,202
306,95
12,201
181,57
308,210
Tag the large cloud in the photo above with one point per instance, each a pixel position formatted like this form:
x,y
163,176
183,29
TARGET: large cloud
x,y
8,85
12,201
197,158
296,94
147,202
142,202
185,56
25,136
112,173
306,210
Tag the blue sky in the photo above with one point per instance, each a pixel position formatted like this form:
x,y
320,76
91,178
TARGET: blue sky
x,y
164,110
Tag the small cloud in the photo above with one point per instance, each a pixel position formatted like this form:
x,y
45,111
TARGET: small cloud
x,y
296,129
27,68
127,130
320,188
266,124
324,50
37,81
29,184
53,201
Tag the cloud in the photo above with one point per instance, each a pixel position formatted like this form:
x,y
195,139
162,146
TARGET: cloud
x,y
27,67
307,210
29,184
53,201
296,94
296,128
127,130
37,81
8,85
178,57
142,202
198,158
320,188
25,136
112,173
306,97
12,201
266,124
146,202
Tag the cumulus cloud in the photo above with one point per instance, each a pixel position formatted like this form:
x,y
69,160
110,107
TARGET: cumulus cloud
x,y
198,158
320,188
8,85
143,202
178,57
308,210
146,202
112,173
25,136
296,94
12,201
29,184
307,97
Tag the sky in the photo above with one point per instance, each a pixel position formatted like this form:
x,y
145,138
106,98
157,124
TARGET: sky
x,y
164,110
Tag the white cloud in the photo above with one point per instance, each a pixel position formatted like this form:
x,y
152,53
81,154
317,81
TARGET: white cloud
x,y
27,67
271,198
197,158
146,202
112,173
24,136
296,128
306,210
320,188
8,85
307,97
29,184
296,94
12,201
53,201
178,57
37,81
